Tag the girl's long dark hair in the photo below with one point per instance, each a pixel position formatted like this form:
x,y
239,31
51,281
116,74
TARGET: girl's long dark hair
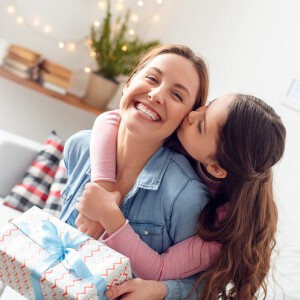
x,y
251,141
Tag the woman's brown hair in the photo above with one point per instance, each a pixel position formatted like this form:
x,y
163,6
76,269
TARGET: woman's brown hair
x,y
251,141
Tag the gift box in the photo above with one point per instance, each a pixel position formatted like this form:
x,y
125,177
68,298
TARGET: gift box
x,y
44,258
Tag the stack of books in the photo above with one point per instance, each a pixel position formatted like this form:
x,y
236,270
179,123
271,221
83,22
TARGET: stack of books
x,y
22,62
54,77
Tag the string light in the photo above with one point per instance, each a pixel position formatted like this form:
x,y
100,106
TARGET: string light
x,y
20,20
46,30
11,9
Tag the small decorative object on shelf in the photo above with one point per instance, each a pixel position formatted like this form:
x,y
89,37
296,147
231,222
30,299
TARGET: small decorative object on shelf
x,y
115,54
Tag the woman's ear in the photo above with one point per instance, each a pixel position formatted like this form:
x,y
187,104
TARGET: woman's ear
x,y
215,170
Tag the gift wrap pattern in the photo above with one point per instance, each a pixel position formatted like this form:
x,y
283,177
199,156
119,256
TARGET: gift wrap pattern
x,y
20,254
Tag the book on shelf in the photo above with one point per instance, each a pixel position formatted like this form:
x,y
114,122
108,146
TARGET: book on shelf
x,y
28,63
8,60
50,77
56,69
24,53
53,87
25,74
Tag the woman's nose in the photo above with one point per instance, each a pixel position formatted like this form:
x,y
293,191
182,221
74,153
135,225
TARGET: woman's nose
x,y
192,116
156,95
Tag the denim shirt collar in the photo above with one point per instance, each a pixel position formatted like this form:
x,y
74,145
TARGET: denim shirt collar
x,y
152,174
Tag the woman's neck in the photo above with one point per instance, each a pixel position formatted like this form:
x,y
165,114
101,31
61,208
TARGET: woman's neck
x,y
132,155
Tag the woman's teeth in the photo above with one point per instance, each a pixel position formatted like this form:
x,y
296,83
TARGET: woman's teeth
x,y
147,112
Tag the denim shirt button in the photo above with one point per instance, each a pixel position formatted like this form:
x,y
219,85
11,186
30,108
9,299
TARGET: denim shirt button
x,y
146,232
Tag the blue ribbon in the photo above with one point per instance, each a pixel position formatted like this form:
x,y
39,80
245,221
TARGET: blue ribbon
x,y
61,250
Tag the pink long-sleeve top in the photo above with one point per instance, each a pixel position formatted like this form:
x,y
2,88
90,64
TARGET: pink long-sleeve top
x,y
181,260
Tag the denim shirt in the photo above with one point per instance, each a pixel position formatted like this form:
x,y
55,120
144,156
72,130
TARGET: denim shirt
x,y
162,207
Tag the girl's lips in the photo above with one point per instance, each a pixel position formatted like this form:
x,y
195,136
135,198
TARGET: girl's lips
x,y
147,111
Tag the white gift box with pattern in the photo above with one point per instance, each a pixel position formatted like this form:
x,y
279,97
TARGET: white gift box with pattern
x,y
21,254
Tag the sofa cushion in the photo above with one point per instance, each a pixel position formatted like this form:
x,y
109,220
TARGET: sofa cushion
x,y
54,202
35,186
16,155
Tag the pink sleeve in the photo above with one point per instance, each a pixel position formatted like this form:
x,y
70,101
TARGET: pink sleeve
x,y
181,260
103,146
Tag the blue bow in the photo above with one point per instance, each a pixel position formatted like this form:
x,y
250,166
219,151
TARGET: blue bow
x,y
61,250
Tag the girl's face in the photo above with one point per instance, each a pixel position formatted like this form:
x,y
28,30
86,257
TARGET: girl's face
x,y
199,132
159,96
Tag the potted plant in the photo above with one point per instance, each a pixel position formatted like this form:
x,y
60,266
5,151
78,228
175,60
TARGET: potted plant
x,y
115,54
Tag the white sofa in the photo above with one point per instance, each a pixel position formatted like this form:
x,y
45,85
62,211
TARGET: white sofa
x,y
16,155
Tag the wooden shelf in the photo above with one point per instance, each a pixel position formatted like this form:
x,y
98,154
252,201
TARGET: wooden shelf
x,y
68,98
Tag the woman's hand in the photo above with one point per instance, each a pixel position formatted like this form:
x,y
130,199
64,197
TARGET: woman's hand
x,y
102,206
89,227
136,289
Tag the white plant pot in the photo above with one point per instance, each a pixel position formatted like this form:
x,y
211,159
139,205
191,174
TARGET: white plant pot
x,y
99,91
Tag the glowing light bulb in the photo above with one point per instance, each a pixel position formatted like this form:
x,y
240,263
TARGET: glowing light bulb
x,y
134,18
11,9
131,32
101,4
61,45
159,1
87,70
71,47
124,48
97,23
36,22
119,6
140,3
20,20
156,18
47,29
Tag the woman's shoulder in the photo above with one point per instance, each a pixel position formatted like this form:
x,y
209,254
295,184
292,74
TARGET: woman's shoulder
x,y
78,143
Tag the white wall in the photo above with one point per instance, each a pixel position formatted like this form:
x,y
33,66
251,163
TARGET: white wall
x,y
250,46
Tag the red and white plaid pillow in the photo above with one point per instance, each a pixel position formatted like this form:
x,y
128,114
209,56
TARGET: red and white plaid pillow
x,y
35,186
54,202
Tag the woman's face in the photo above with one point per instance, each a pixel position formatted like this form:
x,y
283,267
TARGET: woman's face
x,y
159,96
199,132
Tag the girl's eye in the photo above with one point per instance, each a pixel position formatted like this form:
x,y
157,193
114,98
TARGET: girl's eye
x,y
199,126
178,96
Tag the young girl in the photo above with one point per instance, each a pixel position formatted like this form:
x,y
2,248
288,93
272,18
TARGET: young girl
x,y
236,157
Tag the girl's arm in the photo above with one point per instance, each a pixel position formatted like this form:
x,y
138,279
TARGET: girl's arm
x,y
103,147
103,163
180,261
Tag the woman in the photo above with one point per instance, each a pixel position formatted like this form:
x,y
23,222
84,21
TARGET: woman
x,y
146,170
242,217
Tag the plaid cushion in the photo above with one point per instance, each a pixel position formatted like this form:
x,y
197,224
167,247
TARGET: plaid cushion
x,y
54,201
35,186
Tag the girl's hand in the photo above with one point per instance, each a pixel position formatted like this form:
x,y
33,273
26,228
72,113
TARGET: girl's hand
x,y
96,202
138,289
102,206
89,227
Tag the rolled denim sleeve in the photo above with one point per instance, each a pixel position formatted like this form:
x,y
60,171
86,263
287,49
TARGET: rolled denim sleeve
x,y
183,288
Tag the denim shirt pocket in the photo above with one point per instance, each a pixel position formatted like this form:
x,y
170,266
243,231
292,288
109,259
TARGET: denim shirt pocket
x,y
151,234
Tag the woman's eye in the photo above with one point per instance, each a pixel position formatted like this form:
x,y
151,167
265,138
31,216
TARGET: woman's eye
x,y
151,78
178,96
